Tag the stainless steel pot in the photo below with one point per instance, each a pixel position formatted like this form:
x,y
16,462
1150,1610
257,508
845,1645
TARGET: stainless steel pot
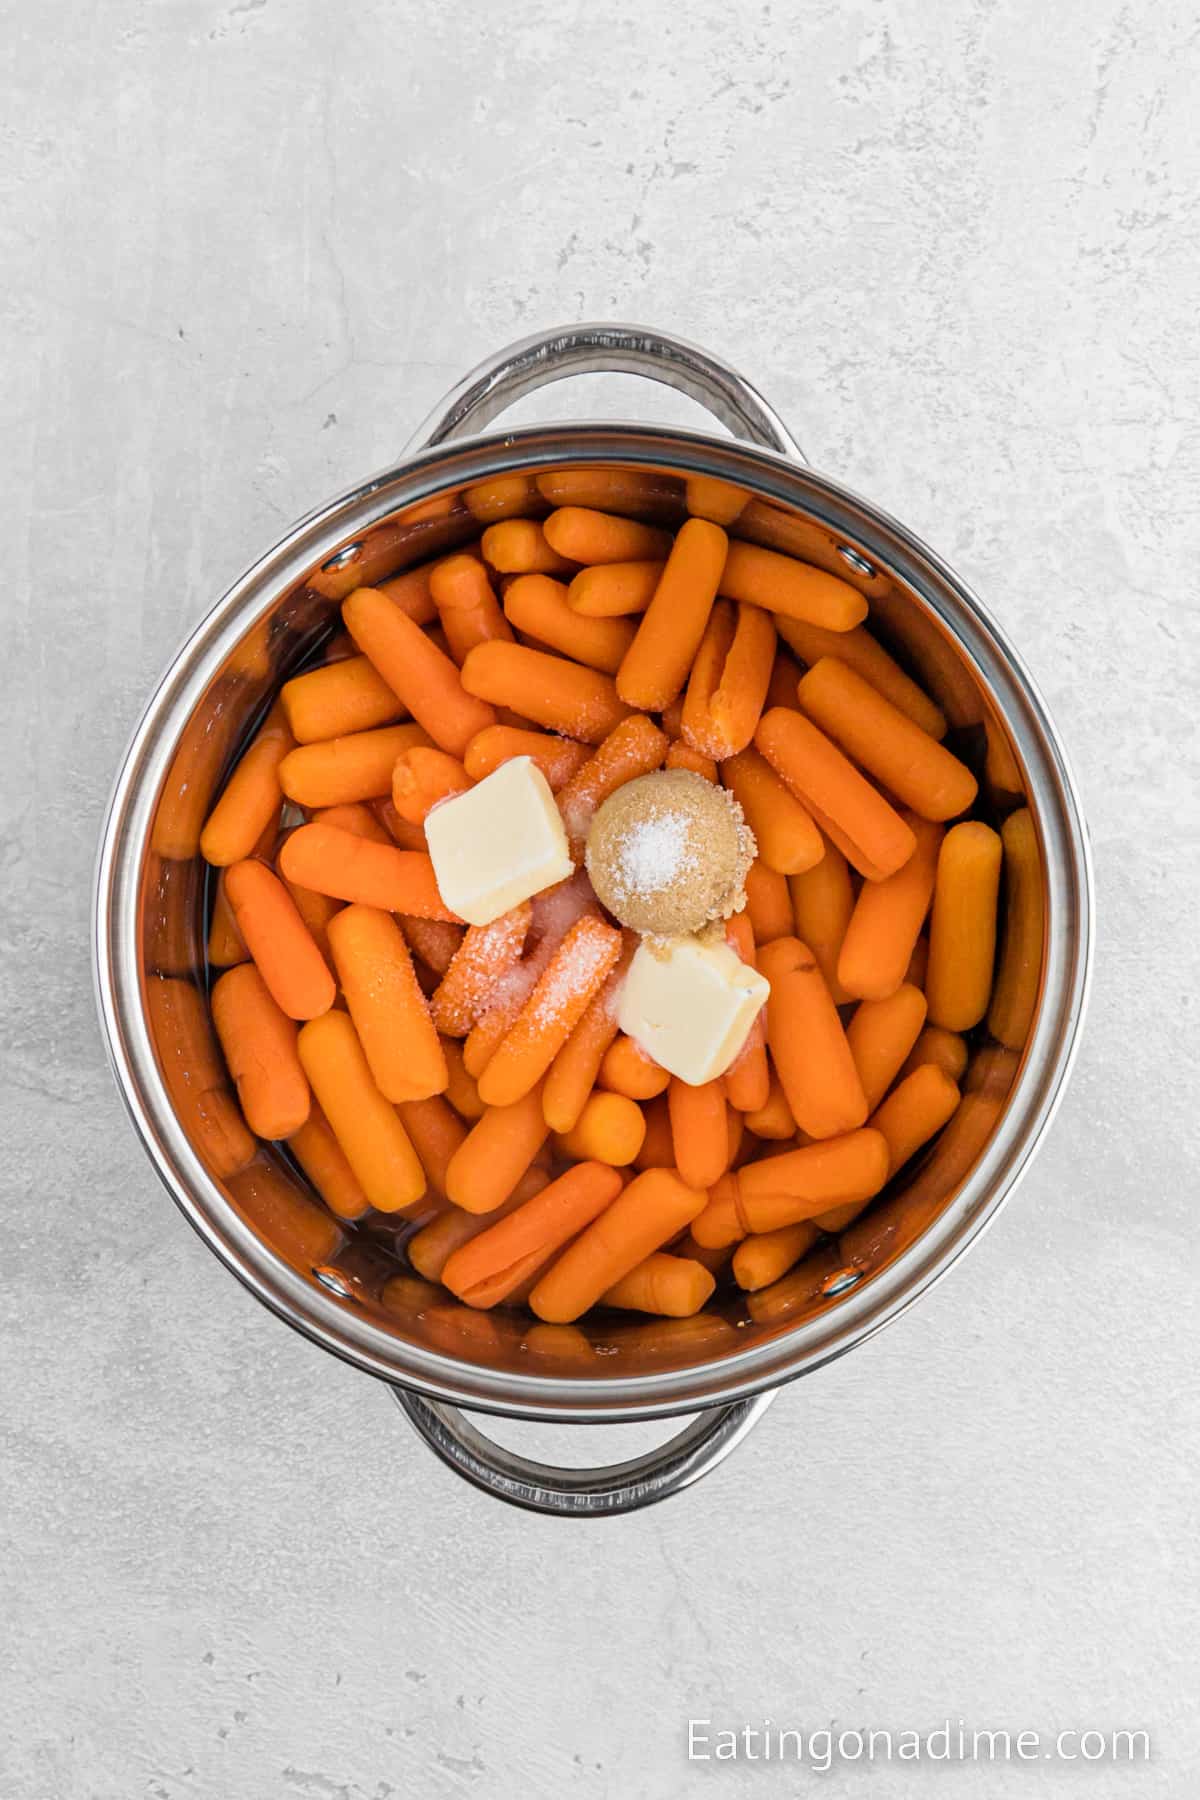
x,y
346,1289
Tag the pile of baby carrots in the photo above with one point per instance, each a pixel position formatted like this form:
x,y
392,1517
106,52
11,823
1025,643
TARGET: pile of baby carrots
x,y
472,1081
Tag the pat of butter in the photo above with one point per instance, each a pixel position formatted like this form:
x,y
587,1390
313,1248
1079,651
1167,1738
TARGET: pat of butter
x,y
691,1008
499,843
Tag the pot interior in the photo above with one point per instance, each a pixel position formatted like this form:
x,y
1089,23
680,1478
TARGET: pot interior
x,y
362,1266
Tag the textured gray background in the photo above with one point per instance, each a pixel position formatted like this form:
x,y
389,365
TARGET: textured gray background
x,y
246,247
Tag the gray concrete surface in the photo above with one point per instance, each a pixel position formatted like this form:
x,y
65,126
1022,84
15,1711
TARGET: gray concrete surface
x,y
245,247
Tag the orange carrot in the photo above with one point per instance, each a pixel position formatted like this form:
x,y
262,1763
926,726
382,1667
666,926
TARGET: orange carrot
x,y
436,1132
1018,971
435,942
710,498
627,1070
748,1079
372,1139
887,919
609,1129
390,1013
422,778
658,1147
682,756
785,679
487,955
182,1036
259,1041
346,768
729,680
557,757
461,1091
469,611
411,593
768,902
614,590
574,1070
880,1036
867,656
807,1043
582,703
634,747
491,1266
699,1131
251,799
784,1190
503,497
787,839
657,662
914,1112
676,1287
773,1119
763,1258
645,1216
283,949
351,868
537,606
521,547
822,906
431,1248
190,785
495,1154
226,946
918,964
885,741
764,578
413,666
575,973
962,929
338,700
273,1203
315,911
324,1162
945,1049
610,490
353,816
868,831
585,536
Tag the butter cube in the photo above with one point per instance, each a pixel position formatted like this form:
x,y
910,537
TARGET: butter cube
x,y
691,1006
497,844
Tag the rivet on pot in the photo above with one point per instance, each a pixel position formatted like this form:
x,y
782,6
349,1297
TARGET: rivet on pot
x,y
335,1281
341,557
840,1282
847,554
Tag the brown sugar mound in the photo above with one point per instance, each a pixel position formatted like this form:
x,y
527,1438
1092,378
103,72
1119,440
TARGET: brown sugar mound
x,y
668,853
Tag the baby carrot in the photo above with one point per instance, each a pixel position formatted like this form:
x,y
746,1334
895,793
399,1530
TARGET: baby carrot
x,y
469,611
259,1041
763,1258
495,1154
537,606
885,741
945,1049
436,1132
390,1013
521,547
564,696
634,747
352,868
918,964
422,778
609,490
626,1069
962,929
729,680
807,1043
353,816
867,656
315,910
780,584
413,666
1019,968
787,839
614,590
768,902
887,920
251,798
583,535
487,954
435,942
880,1036
492,1265
675,1287
286,955
461,1090
273,1202
557,757
372,1139
181,1032
338,700
639,1221
710,498
785,679
682,756
226,945
748,1079
324,1162
609,1129
773,1119
657,662
914,1112
503,497
784,1190
868,831
574,1070
699,1131
822,906
658,1148
346,768
430,1249
575,973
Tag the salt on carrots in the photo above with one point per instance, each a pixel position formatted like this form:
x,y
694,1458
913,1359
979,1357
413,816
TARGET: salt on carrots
x,y
788,840
634,747
682,756
563,696
886,922
352,868
414,668
962,928
282,947
487,954
869,831
807,1043
885,741
646,1215
575,973
372,1139
491,1266
390,1013
259,1042
656,664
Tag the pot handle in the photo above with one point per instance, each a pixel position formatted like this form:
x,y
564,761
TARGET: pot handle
x,y
604,349
581,1493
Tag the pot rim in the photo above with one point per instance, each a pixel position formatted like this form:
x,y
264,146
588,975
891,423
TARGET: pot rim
x,y
338,1326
